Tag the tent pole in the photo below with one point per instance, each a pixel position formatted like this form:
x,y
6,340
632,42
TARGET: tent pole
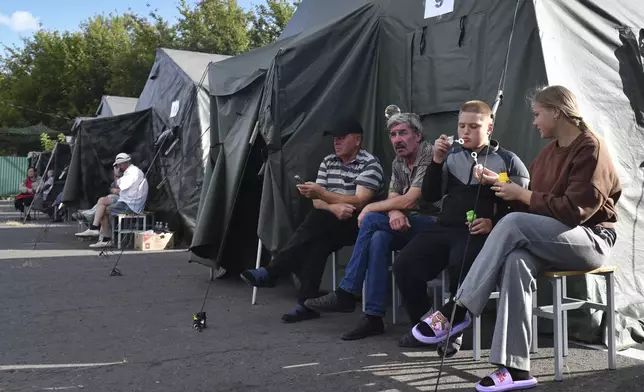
x,y
257,265
253,136
40,185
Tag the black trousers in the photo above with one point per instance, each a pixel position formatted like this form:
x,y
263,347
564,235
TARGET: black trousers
x,y
20,204
307,251
426,256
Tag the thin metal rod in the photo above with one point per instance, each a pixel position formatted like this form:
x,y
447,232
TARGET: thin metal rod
x,y
257,265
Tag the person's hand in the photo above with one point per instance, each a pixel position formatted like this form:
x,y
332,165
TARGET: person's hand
x,y
480,226
398,221
363,213
485,175
441,146
508,191
310,190
342,211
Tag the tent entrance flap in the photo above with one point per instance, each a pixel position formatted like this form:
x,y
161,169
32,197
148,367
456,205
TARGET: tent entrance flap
x,y
239,248
235,118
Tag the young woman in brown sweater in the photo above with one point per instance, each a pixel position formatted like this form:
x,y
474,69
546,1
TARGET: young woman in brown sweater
x,y
568,224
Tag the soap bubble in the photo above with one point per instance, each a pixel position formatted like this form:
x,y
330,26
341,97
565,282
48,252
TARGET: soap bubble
x,y
391,110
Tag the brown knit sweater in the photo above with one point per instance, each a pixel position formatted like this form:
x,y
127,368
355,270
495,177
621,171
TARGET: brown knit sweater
x,y
577,184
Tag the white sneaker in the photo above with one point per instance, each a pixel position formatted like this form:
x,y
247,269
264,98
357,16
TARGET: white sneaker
x,y
88,233
102,244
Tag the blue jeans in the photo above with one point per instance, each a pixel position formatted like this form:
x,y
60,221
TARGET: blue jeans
x,y
370,258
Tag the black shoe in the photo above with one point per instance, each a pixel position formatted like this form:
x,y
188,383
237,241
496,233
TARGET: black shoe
x,y
300,313
258,278
336,301
409,341
452,347
368,326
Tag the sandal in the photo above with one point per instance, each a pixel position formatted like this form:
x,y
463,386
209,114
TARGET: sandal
x,y
440,325
503,382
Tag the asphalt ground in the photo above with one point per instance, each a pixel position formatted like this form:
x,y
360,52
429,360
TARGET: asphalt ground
x,y
69,326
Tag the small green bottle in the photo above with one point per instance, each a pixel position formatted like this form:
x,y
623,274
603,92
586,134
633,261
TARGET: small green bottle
x,y
470,216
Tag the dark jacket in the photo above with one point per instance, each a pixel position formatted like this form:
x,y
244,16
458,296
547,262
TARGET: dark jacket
x,y
453,181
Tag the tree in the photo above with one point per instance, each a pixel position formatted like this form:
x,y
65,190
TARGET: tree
x,y
213,26
268,21
48,144
131,68
40,78
56,76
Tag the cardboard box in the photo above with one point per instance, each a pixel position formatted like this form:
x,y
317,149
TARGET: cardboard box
x,y
150,240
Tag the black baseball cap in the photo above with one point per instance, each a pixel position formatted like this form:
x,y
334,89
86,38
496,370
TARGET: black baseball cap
x,y
345,126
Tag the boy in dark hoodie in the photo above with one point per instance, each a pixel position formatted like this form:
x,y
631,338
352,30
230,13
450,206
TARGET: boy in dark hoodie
x,y
455,241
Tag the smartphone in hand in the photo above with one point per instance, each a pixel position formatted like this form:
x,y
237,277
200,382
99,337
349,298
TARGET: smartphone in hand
x,y
298,180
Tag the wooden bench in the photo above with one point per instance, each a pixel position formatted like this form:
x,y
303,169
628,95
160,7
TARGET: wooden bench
x,y
558,313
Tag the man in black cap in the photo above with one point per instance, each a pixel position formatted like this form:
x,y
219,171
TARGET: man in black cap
x,y
347,181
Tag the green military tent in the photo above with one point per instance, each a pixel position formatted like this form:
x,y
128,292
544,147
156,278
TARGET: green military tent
x,y
340,57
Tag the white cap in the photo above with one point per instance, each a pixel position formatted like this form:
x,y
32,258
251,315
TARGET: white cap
x,y
122,158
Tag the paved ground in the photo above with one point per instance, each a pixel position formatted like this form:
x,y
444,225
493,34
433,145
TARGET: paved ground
x,y
60,308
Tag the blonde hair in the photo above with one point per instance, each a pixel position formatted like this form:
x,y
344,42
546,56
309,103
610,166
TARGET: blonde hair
x,y
561,98
478,107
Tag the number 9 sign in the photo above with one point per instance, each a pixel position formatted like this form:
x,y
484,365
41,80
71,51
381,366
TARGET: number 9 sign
x,y
440,7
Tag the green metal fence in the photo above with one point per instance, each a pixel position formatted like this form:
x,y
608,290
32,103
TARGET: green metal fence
x,y
13,172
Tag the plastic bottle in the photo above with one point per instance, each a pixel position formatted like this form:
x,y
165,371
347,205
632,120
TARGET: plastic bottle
x,y
470,216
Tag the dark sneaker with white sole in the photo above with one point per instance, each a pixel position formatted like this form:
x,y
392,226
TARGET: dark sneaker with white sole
x,y
452,346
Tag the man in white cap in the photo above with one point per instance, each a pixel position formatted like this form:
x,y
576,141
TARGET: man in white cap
x,y
133,193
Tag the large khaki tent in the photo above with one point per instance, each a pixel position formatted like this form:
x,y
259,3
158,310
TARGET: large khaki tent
x,y
341,57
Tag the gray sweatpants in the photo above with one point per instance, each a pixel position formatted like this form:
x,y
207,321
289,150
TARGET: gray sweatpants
x,y
520,246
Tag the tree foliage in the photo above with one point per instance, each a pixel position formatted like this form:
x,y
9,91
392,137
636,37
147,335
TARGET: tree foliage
x,y
268,21
48,144
214,26
57,76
